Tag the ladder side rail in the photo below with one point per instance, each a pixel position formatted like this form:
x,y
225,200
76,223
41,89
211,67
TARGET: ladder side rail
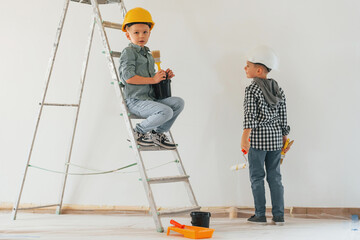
x,y
106,45
183,172
134,145
47,81
142,170
82,83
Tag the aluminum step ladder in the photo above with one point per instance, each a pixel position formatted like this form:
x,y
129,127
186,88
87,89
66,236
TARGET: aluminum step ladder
x,y
110,55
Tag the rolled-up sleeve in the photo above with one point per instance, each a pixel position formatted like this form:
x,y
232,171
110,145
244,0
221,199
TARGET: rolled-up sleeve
x,y
127,64
250,109
283,115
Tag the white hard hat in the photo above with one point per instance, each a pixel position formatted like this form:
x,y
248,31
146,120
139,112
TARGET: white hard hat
x,y
265,56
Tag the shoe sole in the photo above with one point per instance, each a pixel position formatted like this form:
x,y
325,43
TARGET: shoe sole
x,y
258,223
279,223
164,146
144,144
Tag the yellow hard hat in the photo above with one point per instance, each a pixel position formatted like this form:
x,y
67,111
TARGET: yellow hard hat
x,y
137,15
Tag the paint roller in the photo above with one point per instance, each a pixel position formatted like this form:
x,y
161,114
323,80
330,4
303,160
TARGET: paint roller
x,y
240,165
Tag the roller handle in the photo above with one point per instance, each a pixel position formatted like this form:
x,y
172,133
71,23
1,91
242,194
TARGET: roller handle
x,y
176,224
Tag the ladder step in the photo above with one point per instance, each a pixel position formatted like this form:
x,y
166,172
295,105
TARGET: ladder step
x,y
112,25
114,54
178,210
60,104
168,179
44,206
99,1
154,148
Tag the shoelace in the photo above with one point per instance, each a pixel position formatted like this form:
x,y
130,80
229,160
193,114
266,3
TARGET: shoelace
x,y
163,137
141,135
146,135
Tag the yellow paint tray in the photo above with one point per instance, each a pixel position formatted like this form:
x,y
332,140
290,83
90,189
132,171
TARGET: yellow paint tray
x,y
193,232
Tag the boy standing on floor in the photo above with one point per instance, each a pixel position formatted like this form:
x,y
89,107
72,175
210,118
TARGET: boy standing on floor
x,y
137,72
265,124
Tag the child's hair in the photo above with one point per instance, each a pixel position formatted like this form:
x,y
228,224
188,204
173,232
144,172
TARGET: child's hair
x,y
264,67
133,23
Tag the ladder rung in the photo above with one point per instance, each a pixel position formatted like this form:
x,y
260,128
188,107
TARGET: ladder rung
x,y
115,54
44,206
178,210
168,179
99,1
112,25
60,104
154,148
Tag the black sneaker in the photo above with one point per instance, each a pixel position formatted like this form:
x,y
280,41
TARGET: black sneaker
x,y
143,139
257,219
162,140
278,220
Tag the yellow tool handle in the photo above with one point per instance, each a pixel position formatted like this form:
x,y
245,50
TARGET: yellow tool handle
x,y
285,146
158,65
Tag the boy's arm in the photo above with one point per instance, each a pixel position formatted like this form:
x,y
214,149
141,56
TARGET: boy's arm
x,y
159,76
127,65
250,122
285,129
283,116
245,144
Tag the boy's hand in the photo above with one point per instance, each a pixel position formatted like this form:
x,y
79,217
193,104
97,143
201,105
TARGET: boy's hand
x,y
170,73
245,142
159,76
284,141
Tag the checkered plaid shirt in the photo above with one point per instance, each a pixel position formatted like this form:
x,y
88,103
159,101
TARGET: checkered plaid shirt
x,y
268,124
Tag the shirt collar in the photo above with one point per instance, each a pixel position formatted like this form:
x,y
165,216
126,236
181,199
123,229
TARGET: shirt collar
x,y
138,48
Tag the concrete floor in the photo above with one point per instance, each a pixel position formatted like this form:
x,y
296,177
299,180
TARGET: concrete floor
x,y
108,227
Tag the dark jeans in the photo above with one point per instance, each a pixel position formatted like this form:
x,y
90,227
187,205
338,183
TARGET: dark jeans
x,y
271,160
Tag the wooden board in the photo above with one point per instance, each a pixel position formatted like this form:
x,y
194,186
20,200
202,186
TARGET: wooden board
x,y
232,212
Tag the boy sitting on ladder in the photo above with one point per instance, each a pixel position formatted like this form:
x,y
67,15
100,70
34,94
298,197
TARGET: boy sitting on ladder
x,y
137,72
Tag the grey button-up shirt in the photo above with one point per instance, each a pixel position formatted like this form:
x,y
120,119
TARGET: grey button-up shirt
x,y
136,60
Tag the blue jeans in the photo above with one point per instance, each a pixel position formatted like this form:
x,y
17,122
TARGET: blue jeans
x,y
159,114
271,160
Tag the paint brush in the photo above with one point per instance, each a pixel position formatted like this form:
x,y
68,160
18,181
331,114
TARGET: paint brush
x,y
286,145
156,56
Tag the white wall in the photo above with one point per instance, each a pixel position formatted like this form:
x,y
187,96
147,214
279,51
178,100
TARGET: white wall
x,y
204,42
